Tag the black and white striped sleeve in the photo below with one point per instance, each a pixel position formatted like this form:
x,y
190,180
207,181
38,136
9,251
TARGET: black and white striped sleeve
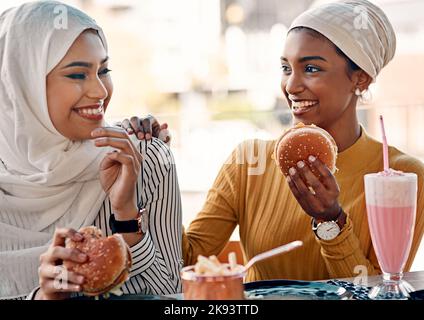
x,y
157,258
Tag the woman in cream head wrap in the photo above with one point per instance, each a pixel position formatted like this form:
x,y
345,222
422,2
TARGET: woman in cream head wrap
x,y
331,55
62,168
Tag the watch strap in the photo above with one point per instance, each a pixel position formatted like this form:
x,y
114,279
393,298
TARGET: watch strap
x,y
336,219
138,225
129,226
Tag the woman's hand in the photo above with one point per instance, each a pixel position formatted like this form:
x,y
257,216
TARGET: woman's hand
x,y
322,202
55,281
146,128
119,170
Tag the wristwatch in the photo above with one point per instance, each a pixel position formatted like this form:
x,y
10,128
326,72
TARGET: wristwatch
x,y
138,225
327,230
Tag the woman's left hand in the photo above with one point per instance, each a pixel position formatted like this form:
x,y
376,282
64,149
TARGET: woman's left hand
x,y
119,170
321,203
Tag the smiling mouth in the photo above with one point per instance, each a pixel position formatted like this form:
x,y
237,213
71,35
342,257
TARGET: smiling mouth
x,y
95,114
301,107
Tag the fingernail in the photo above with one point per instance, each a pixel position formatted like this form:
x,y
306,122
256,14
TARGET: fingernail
x,y
292,171
300,164
78,236
288,179
80,279
311,158
82,256
96,132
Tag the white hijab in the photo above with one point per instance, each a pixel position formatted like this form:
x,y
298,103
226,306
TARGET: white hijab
x,y
46,180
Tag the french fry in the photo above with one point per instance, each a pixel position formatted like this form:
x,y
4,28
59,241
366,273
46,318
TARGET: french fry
x,y
212,267
232,260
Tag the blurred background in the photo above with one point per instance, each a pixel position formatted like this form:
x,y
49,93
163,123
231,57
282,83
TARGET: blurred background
x,y
211,69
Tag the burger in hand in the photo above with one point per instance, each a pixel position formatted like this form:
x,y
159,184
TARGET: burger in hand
x,y
108,264
302,141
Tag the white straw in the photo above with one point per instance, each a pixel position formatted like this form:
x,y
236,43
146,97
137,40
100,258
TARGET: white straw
x,y
279,250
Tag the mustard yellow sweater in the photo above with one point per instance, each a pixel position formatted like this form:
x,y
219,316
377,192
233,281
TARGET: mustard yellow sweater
x,y
254,194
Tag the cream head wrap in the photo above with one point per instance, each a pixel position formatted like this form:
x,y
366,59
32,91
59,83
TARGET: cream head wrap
x,y
46,180
358,28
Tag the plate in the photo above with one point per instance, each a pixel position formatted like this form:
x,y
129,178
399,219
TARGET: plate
x,y
294,290
417,295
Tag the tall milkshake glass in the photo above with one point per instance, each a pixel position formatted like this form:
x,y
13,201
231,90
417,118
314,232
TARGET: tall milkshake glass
x,y
391,199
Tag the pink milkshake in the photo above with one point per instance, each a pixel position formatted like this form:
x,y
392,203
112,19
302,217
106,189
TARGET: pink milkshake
x,y
391,198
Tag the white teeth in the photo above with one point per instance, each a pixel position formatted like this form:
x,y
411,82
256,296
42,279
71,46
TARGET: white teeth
x,y
302,104
97,111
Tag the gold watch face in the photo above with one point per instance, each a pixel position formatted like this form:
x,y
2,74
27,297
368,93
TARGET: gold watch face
x,y
328,230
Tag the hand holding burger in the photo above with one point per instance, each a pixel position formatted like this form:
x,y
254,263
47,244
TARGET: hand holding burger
x,y
83,261
302,141
306,155
55,282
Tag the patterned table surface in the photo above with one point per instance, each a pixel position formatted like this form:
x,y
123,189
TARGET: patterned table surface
x,y
416,279
359,286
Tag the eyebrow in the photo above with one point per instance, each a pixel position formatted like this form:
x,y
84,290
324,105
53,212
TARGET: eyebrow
x,y
307,58
83,64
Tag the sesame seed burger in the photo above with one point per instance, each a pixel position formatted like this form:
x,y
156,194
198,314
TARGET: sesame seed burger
x,y
301,141
108,264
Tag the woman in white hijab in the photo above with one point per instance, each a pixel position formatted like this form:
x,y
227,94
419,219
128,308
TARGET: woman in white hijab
x,y
332,54
63,168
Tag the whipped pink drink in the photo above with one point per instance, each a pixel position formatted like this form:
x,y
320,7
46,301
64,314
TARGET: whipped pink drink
x,y
391,199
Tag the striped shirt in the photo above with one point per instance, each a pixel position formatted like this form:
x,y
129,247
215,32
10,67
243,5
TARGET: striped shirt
x,y
157,258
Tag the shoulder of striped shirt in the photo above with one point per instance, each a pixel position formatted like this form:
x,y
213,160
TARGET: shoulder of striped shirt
x,y
158,151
